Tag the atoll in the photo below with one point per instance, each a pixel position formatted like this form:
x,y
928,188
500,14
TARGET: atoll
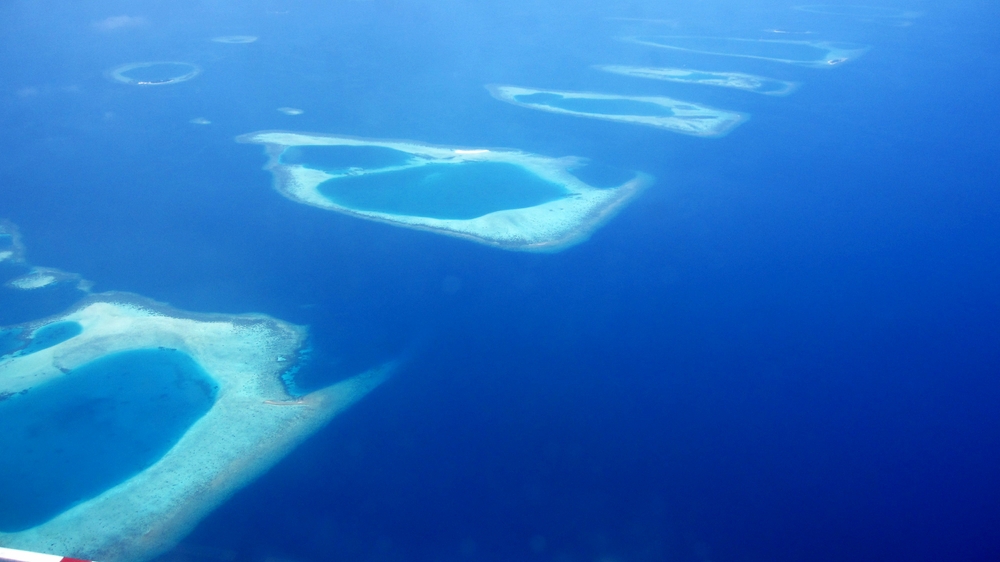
x,y
251,420
503,198
181,72
654,111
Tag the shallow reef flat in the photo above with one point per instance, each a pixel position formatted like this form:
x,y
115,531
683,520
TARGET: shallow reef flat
x,y
247,421
737,80
655,111
502,198
817,54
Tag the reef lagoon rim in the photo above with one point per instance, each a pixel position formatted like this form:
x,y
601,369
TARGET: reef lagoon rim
x,y
154,73
736,80
499,197
235,418
816,54
654,111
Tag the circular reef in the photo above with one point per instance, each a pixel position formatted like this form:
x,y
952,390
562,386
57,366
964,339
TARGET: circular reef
x,y
154,73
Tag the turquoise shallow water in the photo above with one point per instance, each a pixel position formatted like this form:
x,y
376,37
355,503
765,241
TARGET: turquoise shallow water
x,y
598,106
340,158
69,439
444,191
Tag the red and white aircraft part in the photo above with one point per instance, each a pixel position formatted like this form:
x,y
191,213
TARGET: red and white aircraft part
x,y
11,555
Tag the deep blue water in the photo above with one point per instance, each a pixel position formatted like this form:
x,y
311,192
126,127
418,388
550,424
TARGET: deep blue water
x,y
785,349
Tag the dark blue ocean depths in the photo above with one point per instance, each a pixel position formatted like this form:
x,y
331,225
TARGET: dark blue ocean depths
x,y
787,348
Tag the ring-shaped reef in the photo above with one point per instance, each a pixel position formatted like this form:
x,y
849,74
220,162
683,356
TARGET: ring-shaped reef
x,y
655,111
503,198
131,421
235,39
816,54
154,73
737,80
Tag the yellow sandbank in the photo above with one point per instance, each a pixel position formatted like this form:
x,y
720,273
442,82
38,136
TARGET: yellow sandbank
x,y
676,116
253,423
549,226
737,80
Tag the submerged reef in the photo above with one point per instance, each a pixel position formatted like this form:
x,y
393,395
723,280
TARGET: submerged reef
x,y
247,419
235,39
737,80
40,277
11,246
817,54
153,73
655,111
860,12
503,198
18,274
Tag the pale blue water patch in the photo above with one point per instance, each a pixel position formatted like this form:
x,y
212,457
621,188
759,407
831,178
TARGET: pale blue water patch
x,y
50,335
769,86
598,106
858,11
786,50
69,439
444,191
339,158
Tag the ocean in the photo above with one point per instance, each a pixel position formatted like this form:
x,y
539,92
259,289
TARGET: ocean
x,y
785,348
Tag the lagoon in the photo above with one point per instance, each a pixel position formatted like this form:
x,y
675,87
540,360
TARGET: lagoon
x,y
73,437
